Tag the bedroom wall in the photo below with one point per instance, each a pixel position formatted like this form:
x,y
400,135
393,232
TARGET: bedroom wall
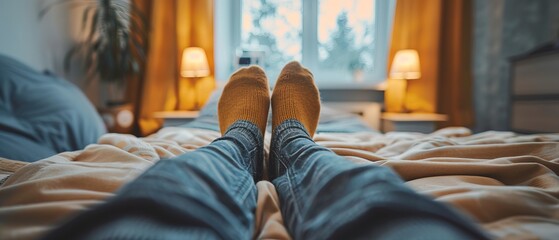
x,y
38,43
42,43
502,29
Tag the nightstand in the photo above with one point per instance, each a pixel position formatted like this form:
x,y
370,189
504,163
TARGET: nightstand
x,y
411,122
176,118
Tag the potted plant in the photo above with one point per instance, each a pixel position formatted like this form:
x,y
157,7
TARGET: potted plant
x,y
114,48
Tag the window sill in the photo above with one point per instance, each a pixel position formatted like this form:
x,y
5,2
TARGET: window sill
x,y
351,94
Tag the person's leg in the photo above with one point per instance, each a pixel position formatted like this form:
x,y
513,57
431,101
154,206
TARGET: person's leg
x,y
206,194
325,196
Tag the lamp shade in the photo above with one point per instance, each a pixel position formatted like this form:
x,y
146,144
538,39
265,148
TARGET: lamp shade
x,y
194,63
405,65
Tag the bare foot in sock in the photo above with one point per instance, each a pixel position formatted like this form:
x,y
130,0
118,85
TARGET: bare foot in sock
x,y
296,97
245,97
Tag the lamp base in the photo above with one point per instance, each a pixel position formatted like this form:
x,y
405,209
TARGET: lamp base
x,y
404,108
192,82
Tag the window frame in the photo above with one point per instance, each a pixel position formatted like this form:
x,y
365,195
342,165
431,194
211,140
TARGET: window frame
x,y
229,11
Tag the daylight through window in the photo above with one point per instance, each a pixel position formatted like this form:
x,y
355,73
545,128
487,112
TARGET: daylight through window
x,y
342,42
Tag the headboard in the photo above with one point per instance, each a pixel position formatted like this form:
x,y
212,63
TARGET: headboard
x,y
534,92
367,102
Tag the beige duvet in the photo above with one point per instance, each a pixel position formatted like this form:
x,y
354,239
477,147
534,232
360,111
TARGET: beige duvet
x,y
508,183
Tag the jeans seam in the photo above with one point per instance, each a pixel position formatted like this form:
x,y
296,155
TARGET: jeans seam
x,y
297,208
280,136
251,140
251,154
246,193
280,160
286,125
292,187
247,128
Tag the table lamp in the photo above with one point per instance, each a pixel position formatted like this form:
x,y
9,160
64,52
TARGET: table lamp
x,y
405,66
194,66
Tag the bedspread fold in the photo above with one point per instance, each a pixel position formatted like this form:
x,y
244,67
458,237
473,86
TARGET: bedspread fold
x,y
506,182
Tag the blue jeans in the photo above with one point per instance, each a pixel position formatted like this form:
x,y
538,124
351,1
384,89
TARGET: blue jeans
x,y
210,194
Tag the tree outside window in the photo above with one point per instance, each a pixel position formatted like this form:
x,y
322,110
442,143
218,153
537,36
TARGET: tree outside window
x,y
341,36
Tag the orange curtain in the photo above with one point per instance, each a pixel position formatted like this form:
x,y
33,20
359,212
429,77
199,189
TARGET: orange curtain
x,y
416,26
174,25
455,77
195,24
441,32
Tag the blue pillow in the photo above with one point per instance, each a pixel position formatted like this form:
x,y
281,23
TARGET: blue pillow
x,y
41,115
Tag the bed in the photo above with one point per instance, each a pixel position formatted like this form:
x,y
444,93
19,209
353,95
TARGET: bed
x,y
506,182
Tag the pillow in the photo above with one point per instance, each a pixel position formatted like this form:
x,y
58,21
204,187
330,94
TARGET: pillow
x,y
331,120
41,115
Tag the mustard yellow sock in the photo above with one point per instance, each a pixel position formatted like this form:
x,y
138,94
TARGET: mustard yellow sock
x,y
296,97
245,97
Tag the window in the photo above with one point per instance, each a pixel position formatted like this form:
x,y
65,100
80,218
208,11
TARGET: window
x,y
272,26
344,43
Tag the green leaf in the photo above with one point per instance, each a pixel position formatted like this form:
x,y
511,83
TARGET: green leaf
x,y
94,23
137,28
91,73
68,58
96,45
89,58
85,16
139,48
138,13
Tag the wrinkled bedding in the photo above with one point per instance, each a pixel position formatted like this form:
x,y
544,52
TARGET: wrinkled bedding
x,y
507,183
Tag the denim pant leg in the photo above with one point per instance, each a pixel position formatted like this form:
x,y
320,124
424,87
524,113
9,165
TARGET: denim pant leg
x,y
205,194
325,196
